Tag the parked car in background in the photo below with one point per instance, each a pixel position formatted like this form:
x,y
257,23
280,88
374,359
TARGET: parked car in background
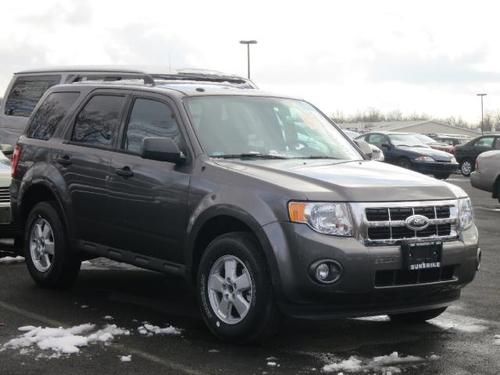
x,y
434,144
450,139
259,201
27,87
407,151
487,173
467,153
376,153
7,229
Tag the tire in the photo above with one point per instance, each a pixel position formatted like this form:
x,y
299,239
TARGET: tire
x,y
48,257
466,167
404,163
442,176
417,317
215,293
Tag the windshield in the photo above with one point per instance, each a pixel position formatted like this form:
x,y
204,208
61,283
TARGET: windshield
x,y
236,126
425,139
406,140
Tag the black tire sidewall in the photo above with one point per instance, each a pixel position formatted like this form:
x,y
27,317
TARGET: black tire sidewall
x,y
64,266
244,248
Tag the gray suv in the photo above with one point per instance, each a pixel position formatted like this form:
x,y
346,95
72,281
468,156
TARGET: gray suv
x,y
258,200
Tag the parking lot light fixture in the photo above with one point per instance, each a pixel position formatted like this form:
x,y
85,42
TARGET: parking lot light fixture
x,y
248,42
482,115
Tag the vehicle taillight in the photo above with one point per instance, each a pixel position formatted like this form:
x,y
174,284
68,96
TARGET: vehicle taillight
x,y
16,157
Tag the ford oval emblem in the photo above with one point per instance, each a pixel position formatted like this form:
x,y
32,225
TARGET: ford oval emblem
x,y
417,222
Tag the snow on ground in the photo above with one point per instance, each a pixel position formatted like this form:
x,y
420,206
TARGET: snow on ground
x,y
391,363
11,260
59,341
150,330
497,339
461,323
126,358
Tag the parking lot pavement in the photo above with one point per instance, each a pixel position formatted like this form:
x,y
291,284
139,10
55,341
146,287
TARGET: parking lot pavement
x,y
461,341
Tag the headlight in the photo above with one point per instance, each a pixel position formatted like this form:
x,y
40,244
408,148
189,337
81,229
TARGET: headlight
x,y
323,217
465,213
425,159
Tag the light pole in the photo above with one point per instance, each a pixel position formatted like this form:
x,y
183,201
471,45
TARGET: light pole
x,y
248,42
482,116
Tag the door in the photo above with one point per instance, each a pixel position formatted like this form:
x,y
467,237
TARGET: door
x,y
481,145
148,199
85,164
382,141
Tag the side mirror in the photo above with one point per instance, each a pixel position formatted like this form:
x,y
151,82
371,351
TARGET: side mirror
x,y
365,147
386,146
162,149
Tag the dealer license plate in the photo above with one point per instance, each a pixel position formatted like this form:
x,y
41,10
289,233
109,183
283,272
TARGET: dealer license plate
x,y
421,256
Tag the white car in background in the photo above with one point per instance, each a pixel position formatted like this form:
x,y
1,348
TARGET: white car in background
x,y
486,176
377,153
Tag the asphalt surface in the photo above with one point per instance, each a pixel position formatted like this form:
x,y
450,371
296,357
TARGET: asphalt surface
x,y
461,341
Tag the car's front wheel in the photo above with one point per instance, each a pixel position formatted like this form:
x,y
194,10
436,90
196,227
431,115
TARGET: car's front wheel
x,y
442,176
48,258
234,289
417,317
466,167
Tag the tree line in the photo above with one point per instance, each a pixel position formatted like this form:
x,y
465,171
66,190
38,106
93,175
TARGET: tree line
x,y
375,115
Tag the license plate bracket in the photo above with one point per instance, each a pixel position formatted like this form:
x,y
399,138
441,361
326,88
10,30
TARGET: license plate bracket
x,y
422,256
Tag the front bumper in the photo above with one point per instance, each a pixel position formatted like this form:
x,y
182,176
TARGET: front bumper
x,y
479,182
436,167
357,293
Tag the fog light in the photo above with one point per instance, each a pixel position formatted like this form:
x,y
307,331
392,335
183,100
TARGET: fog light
x,y
322,272
326,271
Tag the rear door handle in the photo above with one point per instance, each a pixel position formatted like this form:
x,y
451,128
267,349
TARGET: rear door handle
x,y
64,160
124,172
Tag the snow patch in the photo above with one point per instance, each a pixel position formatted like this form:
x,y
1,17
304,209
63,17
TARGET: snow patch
x,y
460,323
108,317
11,260
497,340
149,330
126,358
385,363
59,341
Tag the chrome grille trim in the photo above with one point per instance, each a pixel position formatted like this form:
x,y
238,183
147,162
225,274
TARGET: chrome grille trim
x,y
362,224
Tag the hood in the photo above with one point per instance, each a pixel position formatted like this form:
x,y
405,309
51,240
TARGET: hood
x,y
427,151
346,181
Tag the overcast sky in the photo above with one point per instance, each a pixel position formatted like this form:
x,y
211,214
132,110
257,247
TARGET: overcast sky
x,y
418,56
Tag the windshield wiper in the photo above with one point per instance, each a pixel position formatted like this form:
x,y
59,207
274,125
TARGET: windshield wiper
x,y
249,155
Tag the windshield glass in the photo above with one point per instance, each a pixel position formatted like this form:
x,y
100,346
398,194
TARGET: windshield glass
x,y
425,139
232,126
406,140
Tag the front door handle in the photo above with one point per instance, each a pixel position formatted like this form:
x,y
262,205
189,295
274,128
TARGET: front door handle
x,y
124,172
64,160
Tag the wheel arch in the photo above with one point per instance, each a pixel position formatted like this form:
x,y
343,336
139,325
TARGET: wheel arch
x,y
220,220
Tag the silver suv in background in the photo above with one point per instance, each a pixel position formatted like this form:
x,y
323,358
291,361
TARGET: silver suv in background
x,y
27,87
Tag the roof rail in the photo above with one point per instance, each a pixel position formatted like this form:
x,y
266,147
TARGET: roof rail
x,y
147,78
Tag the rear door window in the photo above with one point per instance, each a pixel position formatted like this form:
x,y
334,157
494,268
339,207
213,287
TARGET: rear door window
x,y
50,113
150,118
377,139
26,92
485,142
97,123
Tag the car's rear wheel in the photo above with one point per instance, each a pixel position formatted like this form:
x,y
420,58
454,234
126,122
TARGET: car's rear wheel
x,y
466,167
234,289
48,258
417,317
442,176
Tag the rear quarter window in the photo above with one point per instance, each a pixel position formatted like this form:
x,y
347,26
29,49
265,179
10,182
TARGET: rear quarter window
x,y
26,92
50,114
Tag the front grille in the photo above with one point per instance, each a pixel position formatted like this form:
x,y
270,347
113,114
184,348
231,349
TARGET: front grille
x,y
385,223
406,277
4,195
